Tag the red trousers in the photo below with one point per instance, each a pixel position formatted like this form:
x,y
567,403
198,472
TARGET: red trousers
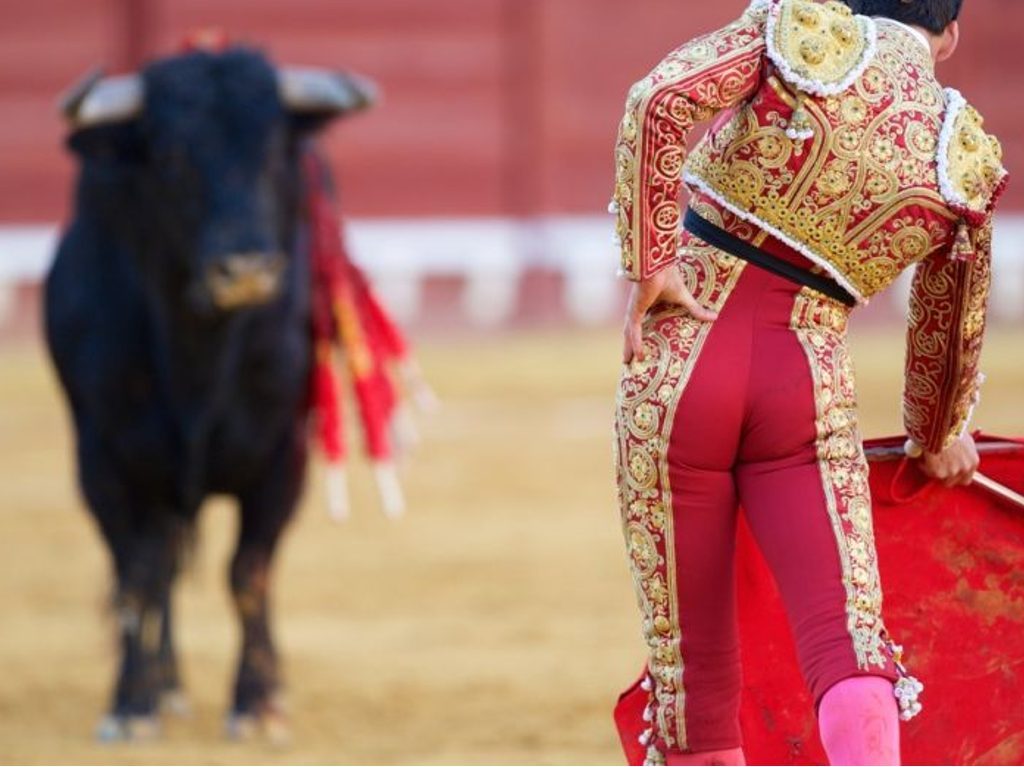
x,y
756,408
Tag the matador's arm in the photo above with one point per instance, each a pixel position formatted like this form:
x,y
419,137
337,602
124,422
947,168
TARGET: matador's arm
x,y
945,328
711,73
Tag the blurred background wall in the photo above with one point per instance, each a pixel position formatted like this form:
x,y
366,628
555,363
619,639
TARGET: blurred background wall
x,y
496,624
477,189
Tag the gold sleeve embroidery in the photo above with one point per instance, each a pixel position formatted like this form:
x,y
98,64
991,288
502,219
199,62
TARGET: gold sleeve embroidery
x,y
946,325
691,84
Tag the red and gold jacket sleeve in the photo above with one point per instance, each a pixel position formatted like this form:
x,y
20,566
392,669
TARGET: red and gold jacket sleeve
x,y
945,328
711,73
950,290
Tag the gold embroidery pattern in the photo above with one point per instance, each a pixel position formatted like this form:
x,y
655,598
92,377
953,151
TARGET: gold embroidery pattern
x,y
820,325
948,299
971,170
690,85
819,47
861,196
648,395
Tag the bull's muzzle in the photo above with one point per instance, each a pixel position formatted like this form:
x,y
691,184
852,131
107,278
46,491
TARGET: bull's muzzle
x,y
244,279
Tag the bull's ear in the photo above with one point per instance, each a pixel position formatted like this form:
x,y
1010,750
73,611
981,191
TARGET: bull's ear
x,y
316,96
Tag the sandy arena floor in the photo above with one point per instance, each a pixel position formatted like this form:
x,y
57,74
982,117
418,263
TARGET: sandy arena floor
x,y
495,624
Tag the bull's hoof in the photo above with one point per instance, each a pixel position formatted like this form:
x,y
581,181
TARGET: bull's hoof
x,y
114,728
241,727
271,723
175,703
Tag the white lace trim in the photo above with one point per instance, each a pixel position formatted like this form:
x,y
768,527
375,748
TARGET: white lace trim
x,y
819,87
756,5
696,181
955,104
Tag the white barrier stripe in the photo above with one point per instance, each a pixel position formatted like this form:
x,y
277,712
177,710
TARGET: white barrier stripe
x,y
492,254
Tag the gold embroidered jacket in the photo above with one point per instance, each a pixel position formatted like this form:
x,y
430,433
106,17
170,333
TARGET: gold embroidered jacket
x,y
834,137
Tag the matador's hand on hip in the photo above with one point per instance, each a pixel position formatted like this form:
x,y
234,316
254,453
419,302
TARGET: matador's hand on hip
x,y
665,287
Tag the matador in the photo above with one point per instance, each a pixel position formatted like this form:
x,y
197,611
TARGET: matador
x,y
834,161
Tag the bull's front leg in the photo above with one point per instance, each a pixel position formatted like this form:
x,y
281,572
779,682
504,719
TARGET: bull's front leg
x,y
143,549
265,509
144,584
172,695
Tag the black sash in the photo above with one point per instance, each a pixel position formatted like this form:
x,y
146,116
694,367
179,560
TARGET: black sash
x,y
734,246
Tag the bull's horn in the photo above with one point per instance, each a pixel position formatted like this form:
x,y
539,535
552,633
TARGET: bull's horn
x,y
306,89
97,100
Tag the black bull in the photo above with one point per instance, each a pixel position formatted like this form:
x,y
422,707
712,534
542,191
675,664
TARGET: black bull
x,y
177,315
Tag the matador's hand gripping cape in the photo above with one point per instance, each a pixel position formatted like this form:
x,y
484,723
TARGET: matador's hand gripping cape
x,y
348,321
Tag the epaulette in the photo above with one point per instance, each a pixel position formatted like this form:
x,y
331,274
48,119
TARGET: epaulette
x,y
820,48
970,162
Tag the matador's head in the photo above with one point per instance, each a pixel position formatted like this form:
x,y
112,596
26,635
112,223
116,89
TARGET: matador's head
x,y
936,18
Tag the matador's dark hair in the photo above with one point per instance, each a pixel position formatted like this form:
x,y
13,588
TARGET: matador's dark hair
x,y
933,15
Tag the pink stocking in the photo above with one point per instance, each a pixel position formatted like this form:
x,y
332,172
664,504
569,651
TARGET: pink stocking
x,y
858,720
732,756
